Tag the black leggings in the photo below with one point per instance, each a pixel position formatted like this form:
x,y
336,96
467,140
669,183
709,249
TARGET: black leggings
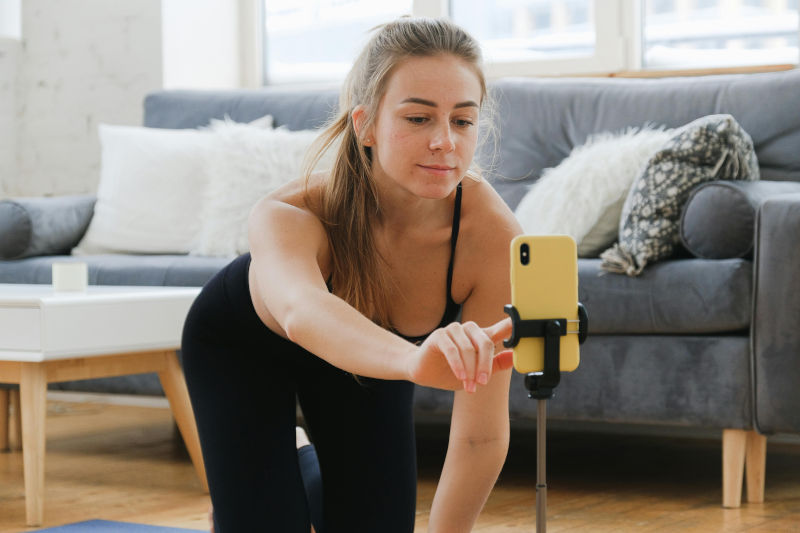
x,y
244,381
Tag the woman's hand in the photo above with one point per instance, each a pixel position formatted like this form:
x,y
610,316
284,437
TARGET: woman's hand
x,y
460,356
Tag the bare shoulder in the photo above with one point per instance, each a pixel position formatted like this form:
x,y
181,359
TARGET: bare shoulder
x,y
487,221
299,193
486,230
482,259
290,211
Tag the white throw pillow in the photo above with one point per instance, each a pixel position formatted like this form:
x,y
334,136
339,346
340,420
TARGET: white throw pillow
x,y
583,196
150,192
245,164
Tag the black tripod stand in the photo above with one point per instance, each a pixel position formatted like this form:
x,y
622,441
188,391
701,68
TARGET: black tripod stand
x,y
541,385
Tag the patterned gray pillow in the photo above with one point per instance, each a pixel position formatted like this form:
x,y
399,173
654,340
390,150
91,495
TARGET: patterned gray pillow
x,y
710,148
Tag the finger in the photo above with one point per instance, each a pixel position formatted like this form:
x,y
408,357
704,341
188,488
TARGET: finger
x,y
485,348
451,353
467,353
499,331
503,360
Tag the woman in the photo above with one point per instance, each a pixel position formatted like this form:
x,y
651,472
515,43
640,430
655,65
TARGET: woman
x,y
349,296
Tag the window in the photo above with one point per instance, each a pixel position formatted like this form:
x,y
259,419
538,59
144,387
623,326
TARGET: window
x,y
316,40
719,33
661,6
10,19
520,31
534,37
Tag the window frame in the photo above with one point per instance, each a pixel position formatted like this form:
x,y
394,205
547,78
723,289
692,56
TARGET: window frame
x,y
618,46
616,32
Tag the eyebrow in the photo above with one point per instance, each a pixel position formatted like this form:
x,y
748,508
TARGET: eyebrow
x,y
422,101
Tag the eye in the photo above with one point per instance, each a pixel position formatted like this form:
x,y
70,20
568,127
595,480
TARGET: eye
x,y
417,120
463,123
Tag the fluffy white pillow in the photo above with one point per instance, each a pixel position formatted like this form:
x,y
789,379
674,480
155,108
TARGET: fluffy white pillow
x,y
583,196
150,192
245,164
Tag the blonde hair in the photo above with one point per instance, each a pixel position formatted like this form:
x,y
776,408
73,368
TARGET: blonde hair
x,y
349,196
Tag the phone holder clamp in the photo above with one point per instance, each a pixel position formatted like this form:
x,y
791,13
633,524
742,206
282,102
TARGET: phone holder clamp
x,y
541,385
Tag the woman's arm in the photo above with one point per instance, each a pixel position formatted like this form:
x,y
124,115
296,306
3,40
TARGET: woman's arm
x,y
479,431
287,245
477,448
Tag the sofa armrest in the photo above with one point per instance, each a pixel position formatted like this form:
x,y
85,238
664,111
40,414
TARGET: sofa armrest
x,y
776,310
718,220
43,225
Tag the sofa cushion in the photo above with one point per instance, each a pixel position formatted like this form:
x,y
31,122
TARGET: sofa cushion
x,y
297,110
583,196
150,192
43,226
645,380
687,380
542,119
244,164
680,296
709,148
718,221
121,269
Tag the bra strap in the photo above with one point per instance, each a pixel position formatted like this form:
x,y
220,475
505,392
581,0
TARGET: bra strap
x,y
453,241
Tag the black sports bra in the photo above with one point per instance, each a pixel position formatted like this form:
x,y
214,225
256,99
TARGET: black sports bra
x,y
452,310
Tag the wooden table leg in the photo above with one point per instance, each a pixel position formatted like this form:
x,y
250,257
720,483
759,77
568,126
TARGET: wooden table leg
x,y
15,439
4,395
174,385
33,404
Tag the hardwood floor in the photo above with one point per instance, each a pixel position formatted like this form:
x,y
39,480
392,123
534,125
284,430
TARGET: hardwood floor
x,y
123,463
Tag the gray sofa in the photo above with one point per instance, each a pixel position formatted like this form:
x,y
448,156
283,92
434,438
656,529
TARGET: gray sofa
x,y
693,342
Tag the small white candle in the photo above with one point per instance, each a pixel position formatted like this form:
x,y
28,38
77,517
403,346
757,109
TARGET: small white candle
x,y
70,276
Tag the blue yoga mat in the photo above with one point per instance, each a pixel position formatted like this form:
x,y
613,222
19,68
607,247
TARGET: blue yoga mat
x,y
106,526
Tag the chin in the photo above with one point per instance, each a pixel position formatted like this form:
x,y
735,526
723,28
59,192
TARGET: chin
x,y
438,191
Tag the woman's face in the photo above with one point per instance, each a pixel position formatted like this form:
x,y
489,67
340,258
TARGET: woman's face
x,y
426,130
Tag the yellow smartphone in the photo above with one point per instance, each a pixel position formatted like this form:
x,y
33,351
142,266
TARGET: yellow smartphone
x,y
544,284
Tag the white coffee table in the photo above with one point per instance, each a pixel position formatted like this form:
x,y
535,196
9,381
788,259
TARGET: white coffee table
x,y
48,336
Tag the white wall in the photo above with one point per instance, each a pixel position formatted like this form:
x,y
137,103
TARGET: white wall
x,y
10,31
200,44
9,52
84,62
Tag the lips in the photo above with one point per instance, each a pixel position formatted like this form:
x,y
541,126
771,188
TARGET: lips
x,y
438,168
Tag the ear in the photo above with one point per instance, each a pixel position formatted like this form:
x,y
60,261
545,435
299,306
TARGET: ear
x,y
359,117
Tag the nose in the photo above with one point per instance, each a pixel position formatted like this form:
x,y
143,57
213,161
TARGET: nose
x,y
442,140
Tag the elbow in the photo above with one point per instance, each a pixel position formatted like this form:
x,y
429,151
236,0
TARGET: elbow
x,y
492,447
499,442
499,449
492,454
495,434
299,317
292,321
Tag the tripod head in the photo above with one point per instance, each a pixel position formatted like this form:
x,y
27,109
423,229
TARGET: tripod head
x,y
541,385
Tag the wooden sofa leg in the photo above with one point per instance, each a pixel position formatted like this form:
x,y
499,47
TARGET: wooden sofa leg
x,y
733,455
755,466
